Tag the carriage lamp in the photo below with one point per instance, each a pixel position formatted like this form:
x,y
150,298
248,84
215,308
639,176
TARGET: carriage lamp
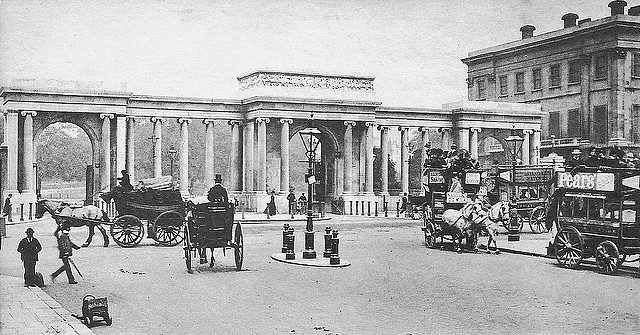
x,y
173,154
514,144
309,137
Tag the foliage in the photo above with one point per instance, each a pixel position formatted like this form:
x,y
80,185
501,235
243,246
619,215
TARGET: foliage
x,y
63,152
377,172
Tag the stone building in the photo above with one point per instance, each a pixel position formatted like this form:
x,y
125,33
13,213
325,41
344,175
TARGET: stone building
x,y
585,76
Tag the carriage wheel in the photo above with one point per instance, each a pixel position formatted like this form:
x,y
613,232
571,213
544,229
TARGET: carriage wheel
x,y
127,231
569,246
238,247
430,235
537,220
607,257
168,228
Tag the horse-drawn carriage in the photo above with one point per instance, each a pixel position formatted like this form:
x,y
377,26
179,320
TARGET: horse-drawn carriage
x,y
532,187
211,225
597,214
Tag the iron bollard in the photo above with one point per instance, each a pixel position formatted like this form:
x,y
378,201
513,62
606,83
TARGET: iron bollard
x,y
350,207
285,233
397,208
362,212
327,243
368,208
21,211
291,239
31,211
243,210
335,258
357,207
376,208
386,207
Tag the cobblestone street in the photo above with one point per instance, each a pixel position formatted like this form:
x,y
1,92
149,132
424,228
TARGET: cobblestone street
x,y
395,285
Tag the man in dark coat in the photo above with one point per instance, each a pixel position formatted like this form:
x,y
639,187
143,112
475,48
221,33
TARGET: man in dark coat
x,y
218,193
65,247
125,181
29,248
271,206
6,209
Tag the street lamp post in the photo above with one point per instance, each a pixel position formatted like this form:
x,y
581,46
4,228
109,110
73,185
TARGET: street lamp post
x,y
310,142
514,144
173,154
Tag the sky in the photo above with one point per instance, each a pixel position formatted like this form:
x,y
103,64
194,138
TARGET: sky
x,y
198,48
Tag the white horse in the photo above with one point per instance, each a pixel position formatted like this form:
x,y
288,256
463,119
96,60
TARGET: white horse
x,y
85,212
462,221
489,219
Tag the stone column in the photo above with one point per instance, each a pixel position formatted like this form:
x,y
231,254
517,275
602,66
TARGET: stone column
x,y
11,140
473,144
424,142
105,161
248,156
157,146
536,147
121,143
348,157
526,147
184,154
209,169
131,123
463,138
384,152
27,159
261,175
446,138
284,155
404,158
369,158
235,157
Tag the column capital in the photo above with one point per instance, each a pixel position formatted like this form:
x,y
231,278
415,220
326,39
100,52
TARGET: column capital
x,y
381,127
183,120
444,130
370,124
527,131
130,118
234,122
263,119
25,113
155,119
424,129
537,130
110,116
349,123
289,121
475,130
11,111
207,121
403,128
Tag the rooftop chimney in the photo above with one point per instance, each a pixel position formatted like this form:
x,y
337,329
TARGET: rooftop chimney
x,y
527,31
634,11
617,7
569,20
584,20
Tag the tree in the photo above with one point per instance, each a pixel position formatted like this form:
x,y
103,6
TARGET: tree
x,y
64,151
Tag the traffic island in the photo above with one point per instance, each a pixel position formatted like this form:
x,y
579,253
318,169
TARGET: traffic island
x,y
316,262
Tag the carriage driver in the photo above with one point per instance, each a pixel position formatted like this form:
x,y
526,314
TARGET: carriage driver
x,y
218,194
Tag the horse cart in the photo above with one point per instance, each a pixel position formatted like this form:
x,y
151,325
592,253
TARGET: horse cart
x,y
211,225
447,190
531,186
162,210
596,214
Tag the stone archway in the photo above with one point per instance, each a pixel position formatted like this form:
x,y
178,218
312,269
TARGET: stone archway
x,y
492,148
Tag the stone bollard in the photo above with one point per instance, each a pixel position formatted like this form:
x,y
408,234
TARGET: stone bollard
x,y
368,208
335,258
285,233
350,207
376,213
31,211
327,243
290,245
243,210
21,211
397,209
386,212
362,207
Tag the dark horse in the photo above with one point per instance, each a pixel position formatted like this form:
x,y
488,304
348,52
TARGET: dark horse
x,y
67,217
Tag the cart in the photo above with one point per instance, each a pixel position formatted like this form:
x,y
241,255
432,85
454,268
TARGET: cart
x,y
531,188
597,214
447,190
162,210
95,307
211,225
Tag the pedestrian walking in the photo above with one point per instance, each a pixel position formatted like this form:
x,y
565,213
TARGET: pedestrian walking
x,y
29,247
302,203
405,202
271,206
65,247
292,202
6,209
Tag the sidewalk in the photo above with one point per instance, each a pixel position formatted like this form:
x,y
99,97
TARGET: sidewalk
x,y
28,310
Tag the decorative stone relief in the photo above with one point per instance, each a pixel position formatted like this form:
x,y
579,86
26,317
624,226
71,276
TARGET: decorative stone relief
x,y
305,81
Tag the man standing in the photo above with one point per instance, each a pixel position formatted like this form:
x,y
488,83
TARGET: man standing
x,y
6,209
29,248
292,202
65,247
405,202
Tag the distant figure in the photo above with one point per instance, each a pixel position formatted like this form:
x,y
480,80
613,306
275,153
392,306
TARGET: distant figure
x,y
575,160
65,247
218,193
271,206
302,203
125,182
405,202
6,209
292,202
29,248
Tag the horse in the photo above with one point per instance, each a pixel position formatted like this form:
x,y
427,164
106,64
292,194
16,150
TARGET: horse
x,y
487,220
462,221
85,212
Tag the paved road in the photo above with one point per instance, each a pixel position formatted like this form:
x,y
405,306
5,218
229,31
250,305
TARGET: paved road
x,y
395,285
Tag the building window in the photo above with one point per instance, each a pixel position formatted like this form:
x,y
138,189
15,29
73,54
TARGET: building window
x,y
635,124
600,124
554,124
636,65
601,67
554,75
537,79
520,82
574,72
482,92
574,123
503,85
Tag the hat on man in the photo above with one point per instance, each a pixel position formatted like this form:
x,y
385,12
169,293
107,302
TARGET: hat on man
x,y
29,231
218,179
576,152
